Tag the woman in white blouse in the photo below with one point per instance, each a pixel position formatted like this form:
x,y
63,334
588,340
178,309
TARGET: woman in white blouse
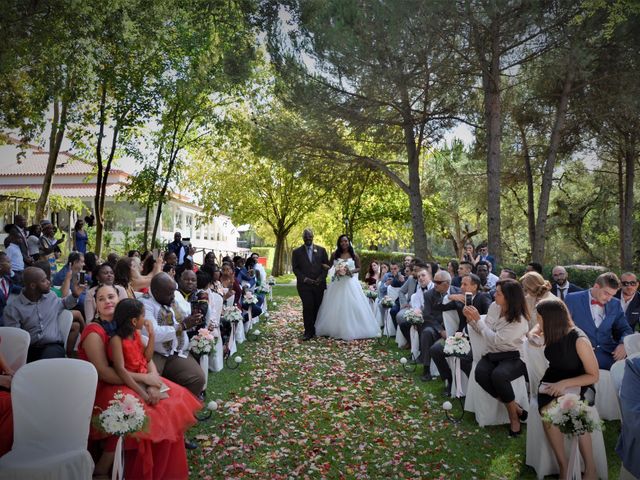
x,y
504,328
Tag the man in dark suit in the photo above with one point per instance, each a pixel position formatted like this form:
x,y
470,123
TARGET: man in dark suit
x,y
433,326
630,299
480,300
561,286
310,264
599,315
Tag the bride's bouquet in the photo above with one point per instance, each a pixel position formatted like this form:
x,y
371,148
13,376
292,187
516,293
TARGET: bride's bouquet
x,y
341,269
387,301
571,415
413,318
457,345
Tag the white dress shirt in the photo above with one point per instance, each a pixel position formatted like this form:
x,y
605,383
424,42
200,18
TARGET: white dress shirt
x,y
167,342
597,312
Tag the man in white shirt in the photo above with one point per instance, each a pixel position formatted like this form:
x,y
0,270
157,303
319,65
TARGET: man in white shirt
x,y
16,258
170,325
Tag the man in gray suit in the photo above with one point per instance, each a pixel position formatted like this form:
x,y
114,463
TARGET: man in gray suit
x,y
408,289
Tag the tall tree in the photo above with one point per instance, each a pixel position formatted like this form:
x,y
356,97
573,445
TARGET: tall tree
x,y
375,82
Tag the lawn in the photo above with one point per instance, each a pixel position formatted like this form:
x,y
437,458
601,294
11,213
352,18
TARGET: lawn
x,y
331,409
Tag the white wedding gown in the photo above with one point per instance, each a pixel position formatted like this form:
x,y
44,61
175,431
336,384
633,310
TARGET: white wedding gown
x,y
345,312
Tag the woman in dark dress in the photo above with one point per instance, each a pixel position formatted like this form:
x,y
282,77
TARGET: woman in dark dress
x,y
572,368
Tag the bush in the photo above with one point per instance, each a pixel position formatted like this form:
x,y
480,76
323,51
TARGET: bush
x,y
582,277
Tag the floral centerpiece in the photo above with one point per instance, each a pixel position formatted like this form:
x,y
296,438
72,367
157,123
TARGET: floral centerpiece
x,y
387,301
458,345
571,415
202,343
231,314
413,318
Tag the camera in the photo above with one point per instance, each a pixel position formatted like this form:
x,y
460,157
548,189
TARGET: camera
x,y
468,299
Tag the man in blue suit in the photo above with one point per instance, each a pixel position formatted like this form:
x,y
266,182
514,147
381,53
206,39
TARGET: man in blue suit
x,y
600,316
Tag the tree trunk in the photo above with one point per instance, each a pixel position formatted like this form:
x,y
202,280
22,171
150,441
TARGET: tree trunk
x,y
100,170
492,120
549,167
278,256
165,185
531,215
58,126
626,232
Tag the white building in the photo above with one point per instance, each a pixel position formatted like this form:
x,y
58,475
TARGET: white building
x,y
75,178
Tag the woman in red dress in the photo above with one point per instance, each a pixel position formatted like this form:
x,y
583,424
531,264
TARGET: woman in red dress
x,y
6,414
158,452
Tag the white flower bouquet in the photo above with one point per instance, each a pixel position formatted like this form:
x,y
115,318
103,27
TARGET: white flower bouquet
x,y
202,343
249,299
571,415
271,280
387,301
262,289
124,415
231,314
457,345
341,269
372,294
413,318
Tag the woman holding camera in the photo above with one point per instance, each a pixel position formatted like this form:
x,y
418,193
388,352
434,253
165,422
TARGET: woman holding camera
x,y
503,329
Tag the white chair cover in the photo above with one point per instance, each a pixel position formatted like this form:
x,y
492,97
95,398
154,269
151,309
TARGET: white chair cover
x,y
606,397
459,380
65,319
216,358
451,322
632,344
488,410
14,346
389,329
414,336
400,340
240,336
233,346
539,454
52,404
393,292
204,365
536,363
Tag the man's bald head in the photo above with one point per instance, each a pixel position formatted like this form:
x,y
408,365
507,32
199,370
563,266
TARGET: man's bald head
x,y
163,288
36,282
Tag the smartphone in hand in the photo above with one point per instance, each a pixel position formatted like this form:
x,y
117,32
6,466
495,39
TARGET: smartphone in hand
x,y
82,278
468,299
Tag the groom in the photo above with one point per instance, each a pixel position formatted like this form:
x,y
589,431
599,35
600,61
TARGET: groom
x,y
310,264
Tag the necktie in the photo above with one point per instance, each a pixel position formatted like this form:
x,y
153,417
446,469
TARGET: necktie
x,y
310,253
562,294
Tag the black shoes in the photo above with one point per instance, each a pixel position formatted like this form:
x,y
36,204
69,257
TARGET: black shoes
x,y
190,444
524,415
426,377
513,434
306,338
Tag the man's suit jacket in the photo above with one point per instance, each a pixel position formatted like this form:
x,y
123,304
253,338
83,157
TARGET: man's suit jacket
x,y
609,334
572,289
303,268
481,301
633,310
431,312
408,289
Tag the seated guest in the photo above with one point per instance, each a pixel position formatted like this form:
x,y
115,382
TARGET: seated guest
x,y
7,287
36,310
533,267
598,314
238,263
484,256
433,326
536,289
261,273
190,299
231,287
481,301
168,417
561,286
630,299
572,368
627,447
112,259
483,271
452,268
122,275
503,329
469,255
247,274
403,304
508,273
75,262
372,276
393,278
465,268
6,413
102,276
170,324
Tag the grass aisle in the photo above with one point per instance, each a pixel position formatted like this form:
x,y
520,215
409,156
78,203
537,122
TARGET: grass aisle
x,y
331,409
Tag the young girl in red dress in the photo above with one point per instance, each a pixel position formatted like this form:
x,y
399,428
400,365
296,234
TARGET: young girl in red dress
x,y
158,452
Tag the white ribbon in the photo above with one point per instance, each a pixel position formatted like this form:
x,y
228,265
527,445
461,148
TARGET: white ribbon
x,y
118,460
389,327
400,340
240,337
372,304
204,365
216,358
456,385
232,339
573,467
270,293
415,342
249,323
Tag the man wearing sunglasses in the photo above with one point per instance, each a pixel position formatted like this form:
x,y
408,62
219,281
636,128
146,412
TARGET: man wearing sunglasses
x,y
630,299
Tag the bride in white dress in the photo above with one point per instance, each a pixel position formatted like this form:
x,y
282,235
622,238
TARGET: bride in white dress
x,y
345,312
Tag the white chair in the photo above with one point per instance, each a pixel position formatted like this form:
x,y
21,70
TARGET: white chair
x,y
536,364
52,404
65,319
14,346
488,410
393,292
632,343
451,322
606,401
